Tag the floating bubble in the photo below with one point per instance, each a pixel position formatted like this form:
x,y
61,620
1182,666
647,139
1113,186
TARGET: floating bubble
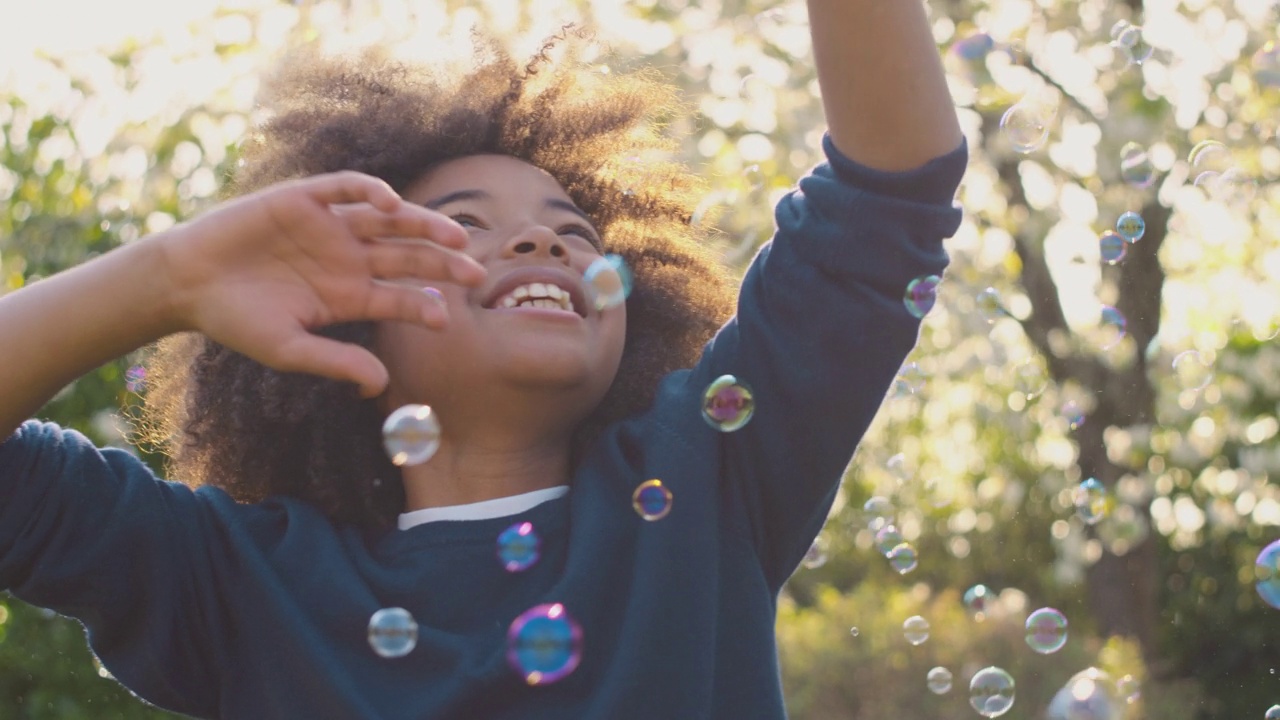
x,y
1026,124
411,435
1046,631
877,512
1111,247
916,630
651,500
134,378
897,466
990,305
1119,27
1273,713
1091,501
1134,44
888,537
1128,689
393,632
973,46
921,294
1135,166
1112,328
939,680
816,556
1192,370
1131,226
519,547
544,644
1232,186
607,281
978,599
1030,378
1209,156
754,177
903,558
853,631
909,381
1266,571
991,692
1073,414
727,404
1086,696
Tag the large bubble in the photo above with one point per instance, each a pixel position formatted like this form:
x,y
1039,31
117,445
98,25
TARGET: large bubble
x,y
544,644
393,632
411,435
1266,570
1046,630
991,692
921,294
1087,695
939,681
916,630
727,404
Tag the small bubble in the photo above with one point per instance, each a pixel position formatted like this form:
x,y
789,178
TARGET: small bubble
x,y
978,598
916,630
1046,630
853,631
411,435
991,692
921,294
897,466
607,281
727,404
1112,328
903,558
135,378
816,556
1128,689
1112,248
990,305
651,500
1134,44
888,537
544,644
754,177
939,681
973,46
1266,65
1131,226
1266,572
1209,156
1192,370
1135,166
877,511
518,547
393,632
1073,414
1030,378
1026,124
1119,27
909,381
1091,501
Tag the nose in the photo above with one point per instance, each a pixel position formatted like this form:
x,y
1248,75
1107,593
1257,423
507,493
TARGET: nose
x,y
537,240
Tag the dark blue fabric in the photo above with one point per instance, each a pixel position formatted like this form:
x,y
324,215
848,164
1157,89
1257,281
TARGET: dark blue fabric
x,y
217,609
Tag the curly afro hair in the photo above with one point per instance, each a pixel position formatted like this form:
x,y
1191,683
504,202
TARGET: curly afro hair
x,y
227,421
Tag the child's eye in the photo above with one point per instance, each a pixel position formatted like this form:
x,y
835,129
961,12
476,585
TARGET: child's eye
x,y
465,220
583,232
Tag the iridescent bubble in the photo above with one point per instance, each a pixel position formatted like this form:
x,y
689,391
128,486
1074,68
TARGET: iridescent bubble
x,y
1111,247
903,558
134,378
1086,696
651,500
897,466
1273,713
1132,41
727,404
607,281
1131,226
1046,631
990,305
1026,124
1091,501
1112,328
1073,414
888,538
754,177
853,631
1135,166
519,547
921,294
877,511
991,692
411,435
1266,571
1128,689
1192,370
973,46
544,644
915,630
1030,377
909,381
939,681
978,599
393,632
816,556
1209,156
1119,27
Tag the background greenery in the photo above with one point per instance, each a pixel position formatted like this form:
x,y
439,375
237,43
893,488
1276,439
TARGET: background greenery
x,y
112,136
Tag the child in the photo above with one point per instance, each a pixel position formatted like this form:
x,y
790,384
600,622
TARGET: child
x,y
294,322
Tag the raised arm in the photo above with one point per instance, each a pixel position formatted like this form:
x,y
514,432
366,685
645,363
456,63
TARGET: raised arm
x,y
883,87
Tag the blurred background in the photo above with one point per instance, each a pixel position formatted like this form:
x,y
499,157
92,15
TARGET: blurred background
x,y
1056,353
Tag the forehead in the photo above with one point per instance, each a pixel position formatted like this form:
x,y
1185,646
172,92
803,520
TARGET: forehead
x,y
498,174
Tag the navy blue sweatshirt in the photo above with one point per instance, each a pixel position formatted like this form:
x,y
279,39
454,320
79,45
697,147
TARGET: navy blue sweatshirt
x,y
216,609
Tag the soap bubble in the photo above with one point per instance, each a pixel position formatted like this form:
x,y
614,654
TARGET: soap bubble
x,y
1111,247
1031,378
518,547
1192,370
991,692
816,556
921,294
1046,631
1209,156
754,177
727,404
1128,689
1266,570
651,500
1273,713
1086,696
973,46
877,511
1135,166
607,281
939,681
888,537
411,435
990,305
135,378
1112,328
1131,226
1026,124
897,466
903,558
1073,414
1091,501
544,644
909,381
978,598
1119,27
1134,44
393,632
916,630
853,631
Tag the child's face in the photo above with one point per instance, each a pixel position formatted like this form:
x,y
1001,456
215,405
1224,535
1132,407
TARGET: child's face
x,y
520,221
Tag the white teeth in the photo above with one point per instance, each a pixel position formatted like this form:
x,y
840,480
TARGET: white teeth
x,y
545,295
538,290
510,301
522,291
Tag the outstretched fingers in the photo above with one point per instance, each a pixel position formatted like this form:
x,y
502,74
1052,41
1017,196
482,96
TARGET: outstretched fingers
x,y
396,260
349,186
406,221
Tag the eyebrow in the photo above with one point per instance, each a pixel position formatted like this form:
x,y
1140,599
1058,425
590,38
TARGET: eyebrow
x,y
482,195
